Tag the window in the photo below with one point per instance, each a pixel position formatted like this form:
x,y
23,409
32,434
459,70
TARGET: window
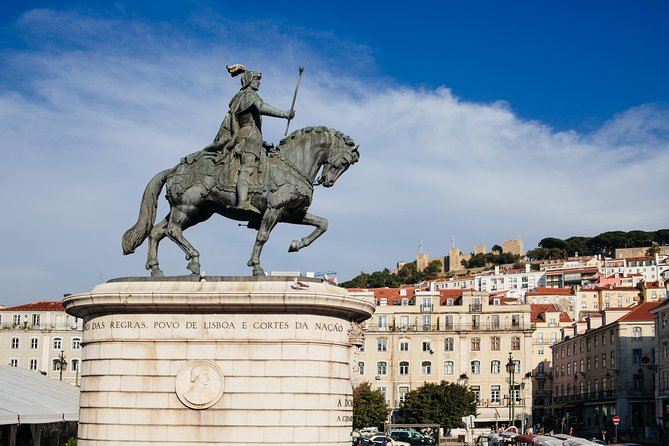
x,y
540,350
427,346
76,343
381,345
476,344
427,322
476,390
515,343
381,368
495,366
588,344
33,343
55,365
404,368
449,345
14,343
404,322
494,394
495,343
383,322
13,362
476,321
636,356
613,359
516,393
404,345
588,364
448,321
361,368
33,363
595,340
425,368
403,390
57,343
580,346
17,319
568,369
448,368
516,366
636,333
35,320
494,321
596,362
476,367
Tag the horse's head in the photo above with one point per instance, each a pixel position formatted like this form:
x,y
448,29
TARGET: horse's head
x,y
343,153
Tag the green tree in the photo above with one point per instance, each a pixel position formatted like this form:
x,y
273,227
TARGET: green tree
x,y
444,404
497,249
369,407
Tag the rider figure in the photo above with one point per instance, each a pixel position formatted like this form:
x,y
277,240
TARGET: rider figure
x,y
241,131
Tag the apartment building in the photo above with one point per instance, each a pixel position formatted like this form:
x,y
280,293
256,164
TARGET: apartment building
x,y
40,336
607,369
515,282
661,321
563,298
548,320
462,336
651,268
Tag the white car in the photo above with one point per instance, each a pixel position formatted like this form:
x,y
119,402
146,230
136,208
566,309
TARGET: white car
x,y
378,440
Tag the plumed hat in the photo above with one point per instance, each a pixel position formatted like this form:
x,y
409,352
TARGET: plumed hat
x,y
247,76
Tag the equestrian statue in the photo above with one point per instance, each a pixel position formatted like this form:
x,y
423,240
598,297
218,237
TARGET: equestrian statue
x,y
241,177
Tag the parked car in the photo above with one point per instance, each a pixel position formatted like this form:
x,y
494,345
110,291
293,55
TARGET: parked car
x,y
377,440
412,437
358,440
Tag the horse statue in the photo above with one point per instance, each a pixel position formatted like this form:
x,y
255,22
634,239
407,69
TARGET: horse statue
x,y
203,184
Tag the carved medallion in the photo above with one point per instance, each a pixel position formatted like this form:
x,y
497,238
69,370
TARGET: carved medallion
x,y
199,384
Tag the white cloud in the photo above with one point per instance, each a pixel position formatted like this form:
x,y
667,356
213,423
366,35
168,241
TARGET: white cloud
x,y
86,122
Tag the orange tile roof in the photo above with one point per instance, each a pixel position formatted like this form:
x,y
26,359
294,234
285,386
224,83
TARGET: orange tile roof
x,y
549,292
641,312
538,310
37,306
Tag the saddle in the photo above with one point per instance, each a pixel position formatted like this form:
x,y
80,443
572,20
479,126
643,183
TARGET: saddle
x,y
213,171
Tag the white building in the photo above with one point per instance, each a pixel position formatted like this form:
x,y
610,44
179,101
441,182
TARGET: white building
x,y
40,336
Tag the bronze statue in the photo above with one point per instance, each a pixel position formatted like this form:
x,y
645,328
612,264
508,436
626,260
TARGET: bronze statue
x,y
205,183
241,131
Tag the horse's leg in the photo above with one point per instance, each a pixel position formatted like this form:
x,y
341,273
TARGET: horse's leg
x,y
269,220
321,225
156,235
180,220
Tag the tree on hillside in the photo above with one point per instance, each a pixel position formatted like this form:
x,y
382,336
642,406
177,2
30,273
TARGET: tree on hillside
x,y
497,249
369,407
444,404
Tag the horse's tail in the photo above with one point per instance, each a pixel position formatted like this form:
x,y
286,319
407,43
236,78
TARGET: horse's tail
x,y
136,235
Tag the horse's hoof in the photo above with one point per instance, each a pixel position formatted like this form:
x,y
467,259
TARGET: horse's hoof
x,y
194,267
258,271
294,246
157,272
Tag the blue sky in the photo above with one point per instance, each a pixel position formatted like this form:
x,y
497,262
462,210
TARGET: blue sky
x,y
477,121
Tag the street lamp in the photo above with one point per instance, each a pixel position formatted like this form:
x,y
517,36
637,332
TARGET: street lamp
x,y
62,363
511,368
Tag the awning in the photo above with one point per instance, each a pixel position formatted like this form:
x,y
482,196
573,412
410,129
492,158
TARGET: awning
x,y
28,397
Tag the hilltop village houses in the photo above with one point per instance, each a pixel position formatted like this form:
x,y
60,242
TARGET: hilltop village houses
x,y
569,345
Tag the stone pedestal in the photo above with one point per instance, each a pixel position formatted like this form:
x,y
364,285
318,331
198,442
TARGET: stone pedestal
x,y
226,361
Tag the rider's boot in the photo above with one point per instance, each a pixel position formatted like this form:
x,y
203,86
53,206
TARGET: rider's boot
x,y
243,201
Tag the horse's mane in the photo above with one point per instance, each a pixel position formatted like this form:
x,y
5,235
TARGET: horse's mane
x,y
319,131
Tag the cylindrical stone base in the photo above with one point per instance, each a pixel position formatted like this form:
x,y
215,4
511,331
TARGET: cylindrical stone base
x,y
223,362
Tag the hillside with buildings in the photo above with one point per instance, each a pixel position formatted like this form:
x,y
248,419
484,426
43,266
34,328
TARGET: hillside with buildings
x,y
559,344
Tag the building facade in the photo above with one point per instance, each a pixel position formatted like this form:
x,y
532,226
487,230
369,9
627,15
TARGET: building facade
x,y
661,321
606,370
460,336
40,336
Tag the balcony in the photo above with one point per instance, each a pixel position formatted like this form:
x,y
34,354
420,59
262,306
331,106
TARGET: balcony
x,y
475,308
